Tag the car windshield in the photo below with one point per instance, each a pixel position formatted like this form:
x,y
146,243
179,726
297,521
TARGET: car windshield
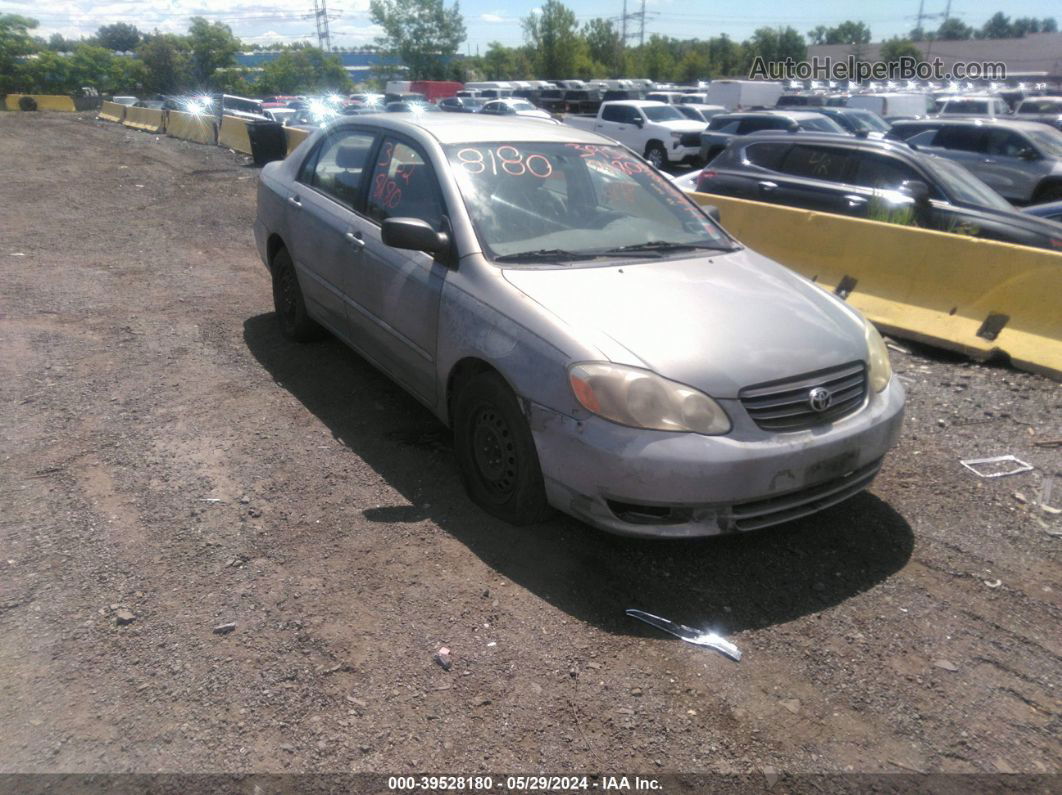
x,y
966,106
867,120
964,187
521,106
1048,141
568,201
661,113
820,124
1040,106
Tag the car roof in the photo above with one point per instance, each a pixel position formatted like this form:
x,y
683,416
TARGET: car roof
x,y
640,103
830,139
1017,124
795,115
455,128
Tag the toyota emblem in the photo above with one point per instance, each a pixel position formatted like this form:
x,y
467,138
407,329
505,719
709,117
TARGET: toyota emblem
x,y
819,399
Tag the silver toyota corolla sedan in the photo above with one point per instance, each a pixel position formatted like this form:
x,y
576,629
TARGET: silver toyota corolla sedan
x,y
597,343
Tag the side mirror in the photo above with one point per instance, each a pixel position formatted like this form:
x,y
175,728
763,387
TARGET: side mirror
x,y
413,234
639,122
916,190
793,127
1028,153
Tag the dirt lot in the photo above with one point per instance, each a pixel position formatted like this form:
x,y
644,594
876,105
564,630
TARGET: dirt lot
x,y
166,453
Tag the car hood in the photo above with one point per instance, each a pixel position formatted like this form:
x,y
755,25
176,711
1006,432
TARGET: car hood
x,y
717,323
681,125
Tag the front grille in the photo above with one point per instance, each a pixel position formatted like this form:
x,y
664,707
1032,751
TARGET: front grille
x,y
786,507
690,139
785,405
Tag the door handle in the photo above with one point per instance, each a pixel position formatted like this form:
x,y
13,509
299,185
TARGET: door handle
x,y
855,200
768,187
354,238
294,201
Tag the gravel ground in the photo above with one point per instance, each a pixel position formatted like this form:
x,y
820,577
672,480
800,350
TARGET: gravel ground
x,y
170,464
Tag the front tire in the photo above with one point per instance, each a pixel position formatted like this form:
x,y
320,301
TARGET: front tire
x,y
1049,193
295,323
656,154
496,453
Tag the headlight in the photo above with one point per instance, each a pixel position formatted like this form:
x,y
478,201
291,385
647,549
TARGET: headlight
x,y
642,399
877,357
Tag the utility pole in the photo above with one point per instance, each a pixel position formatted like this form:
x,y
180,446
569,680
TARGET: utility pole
x,y
320,15
641,15
624,18
921,14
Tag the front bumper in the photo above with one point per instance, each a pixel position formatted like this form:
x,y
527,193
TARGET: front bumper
x,y
678,153
681,485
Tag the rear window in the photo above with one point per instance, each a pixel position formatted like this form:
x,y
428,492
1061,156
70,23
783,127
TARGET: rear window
x,y
766,155
968,106
724,124
815,162
1040,106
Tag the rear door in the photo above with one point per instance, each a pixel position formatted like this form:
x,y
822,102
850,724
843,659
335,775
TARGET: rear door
x,y
321,216
813,177
964,143
1007,167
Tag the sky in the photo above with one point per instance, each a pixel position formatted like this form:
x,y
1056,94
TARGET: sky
x,y
261,21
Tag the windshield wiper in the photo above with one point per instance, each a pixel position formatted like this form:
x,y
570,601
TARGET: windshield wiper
x,y
664,246
543,255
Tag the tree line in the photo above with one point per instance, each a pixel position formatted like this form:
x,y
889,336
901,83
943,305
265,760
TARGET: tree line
x,y
426,36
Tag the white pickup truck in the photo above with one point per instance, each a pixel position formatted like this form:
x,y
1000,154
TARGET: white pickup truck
x,y
654,129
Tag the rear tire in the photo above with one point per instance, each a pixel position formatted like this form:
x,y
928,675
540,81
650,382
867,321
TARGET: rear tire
x,y
295,323
656,154
496,453
1049,193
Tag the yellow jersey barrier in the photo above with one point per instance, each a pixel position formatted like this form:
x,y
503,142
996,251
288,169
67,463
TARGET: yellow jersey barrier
x,y
146,119
44,102
111,111
975,296
233,134
294,136
201,129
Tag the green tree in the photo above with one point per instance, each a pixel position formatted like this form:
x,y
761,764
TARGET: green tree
x,y
309,70
892,50
506,63
15,40
423,33
554,38
1049,25
776,44
166,59
954,30
605,45
46,72
59,43
724,56
997,27
212,47
846,33
658,60
120,36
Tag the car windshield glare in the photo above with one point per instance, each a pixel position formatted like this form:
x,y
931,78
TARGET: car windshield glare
x,y
821,124
661,113
585,200
1048,141
964,187
869,121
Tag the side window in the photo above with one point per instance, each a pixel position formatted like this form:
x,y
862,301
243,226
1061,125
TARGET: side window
x,y
882,173
1005,143
404,186
964,139
724,125
339,164
766,155
816,162
614,113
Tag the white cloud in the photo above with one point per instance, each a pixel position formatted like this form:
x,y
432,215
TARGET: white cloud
x,y
492,18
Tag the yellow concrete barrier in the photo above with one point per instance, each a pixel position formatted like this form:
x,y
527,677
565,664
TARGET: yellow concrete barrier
x,y
233,134
111,111
44,102
958,292
191,127
294,136
146,119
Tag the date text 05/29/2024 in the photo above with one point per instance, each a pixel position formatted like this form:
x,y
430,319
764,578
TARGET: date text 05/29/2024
x,y
540,783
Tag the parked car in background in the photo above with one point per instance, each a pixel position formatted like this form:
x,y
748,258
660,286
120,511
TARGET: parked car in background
x,y
856,120
515,107
985,106
702,113
461,104
1022,160
667,97
800,100
597,344
875,179
657,131
411,107
125,100
280,115
894,106
722,128
1042,109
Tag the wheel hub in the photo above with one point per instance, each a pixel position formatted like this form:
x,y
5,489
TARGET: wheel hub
x,y
493,451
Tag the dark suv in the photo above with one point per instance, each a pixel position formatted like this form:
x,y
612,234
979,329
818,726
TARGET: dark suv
x,y
873,179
